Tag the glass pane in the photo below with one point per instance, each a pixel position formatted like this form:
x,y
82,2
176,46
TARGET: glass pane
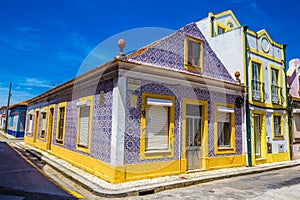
x,y
297,120
257,135
193,110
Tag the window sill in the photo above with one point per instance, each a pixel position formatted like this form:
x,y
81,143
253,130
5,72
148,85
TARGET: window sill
x,y
82,146
193,68
59,141
225,150
158,152
281,137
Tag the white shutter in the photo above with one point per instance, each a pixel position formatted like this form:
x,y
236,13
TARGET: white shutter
x,y
84,125
223,117
30,124
16,117
44,117
157,127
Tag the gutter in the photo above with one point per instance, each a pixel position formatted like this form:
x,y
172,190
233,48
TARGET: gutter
x,y
248,117
288,106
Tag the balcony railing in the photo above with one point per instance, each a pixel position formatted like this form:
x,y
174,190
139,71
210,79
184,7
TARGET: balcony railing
x,y
276,94
258,89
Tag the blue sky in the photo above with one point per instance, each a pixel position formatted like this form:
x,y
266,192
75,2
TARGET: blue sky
x,y
46,43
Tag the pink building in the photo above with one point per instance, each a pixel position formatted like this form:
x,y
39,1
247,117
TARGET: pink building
x,y
293,74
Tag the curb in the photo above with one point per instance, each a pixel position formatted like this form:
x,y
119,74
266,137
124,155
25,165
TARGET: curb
x,y
150,188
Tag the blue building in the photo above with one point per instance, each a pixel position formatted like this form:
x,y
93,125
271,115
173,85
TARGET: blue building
x,y
17,119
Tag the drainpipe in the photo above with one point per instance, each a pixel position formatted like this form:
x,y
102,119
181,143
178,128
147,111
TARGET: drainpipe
x,y
248,117
212,18
288,106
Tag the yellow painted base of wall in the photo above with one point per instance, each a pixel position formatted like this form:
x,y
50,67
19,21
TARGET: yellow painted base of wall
x,y
225,162
278,157
131,172
275,157
29,140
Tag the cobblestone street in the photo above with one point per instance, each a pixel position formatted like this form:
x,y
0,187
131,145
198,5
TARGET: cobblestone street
x,y
279,184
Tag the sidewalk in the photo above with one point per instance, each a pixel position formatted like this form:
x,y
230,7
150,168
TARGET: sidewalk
x,y
147,186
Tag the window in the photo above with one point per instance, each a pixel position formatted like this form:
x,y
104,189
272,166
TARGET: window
x,y
61,123
43,132
296,123
11,121
257,85
224,128
157,126
193,54
278,125
220,30
84,123
276,90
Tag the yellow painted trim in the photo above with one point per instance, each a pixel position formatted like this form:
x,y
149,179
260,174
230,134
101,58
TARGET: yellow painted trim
x,y
204,142
228,21
264,55
219,25
36,124
261,79
49,132
188,66
261,46
232,148
264,32
143,154
60,105
78,147
226,162
263,141
281,136
227,12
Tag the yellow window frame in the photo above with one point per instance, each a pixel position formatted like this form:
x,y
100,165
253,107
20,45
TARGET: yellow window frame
x,y
155,155
30,130
61,105
188,66
281,136
273,67
204,142
232,148
261,77
44,110
80,147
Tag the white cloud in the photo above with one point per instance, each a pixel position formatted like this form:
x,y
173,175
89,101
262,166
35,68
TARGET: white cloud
x,y
22,38
34,82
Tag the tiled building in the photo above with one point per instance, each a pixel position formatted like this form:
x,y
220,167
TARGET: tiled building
x,y
261,62
168,108
293,74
